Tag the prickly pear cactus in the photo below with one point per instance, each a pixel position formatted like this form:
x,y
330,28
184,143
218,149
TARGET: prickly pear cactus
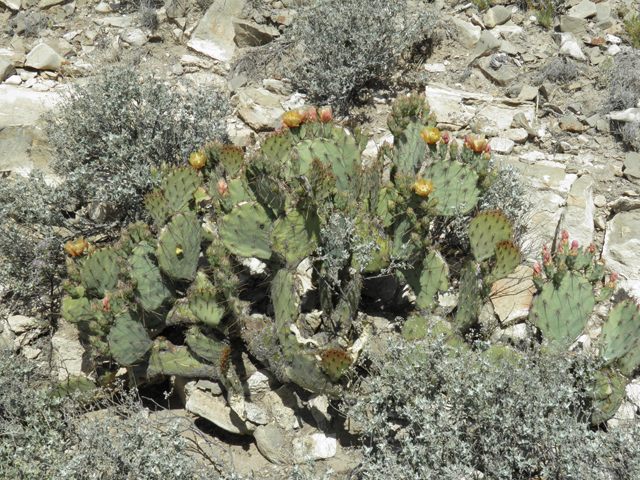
x,y
621,337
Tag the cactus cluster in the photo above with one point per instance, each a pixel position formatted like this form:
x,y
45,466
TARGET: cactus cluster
x,y
304,196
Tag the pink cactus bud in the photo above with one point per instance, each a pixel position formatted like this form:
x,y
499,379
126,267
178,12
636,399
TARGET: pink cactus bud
x,y
537,270
223,188
487,149
613,277
467,141
446,137
591,248
313,114
546,259
545,248
326,114
278,131
574,245
105,303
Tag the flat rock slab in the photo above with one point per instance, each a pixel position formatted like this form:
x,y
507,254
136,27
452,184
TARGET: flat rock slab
x,y
512,296
632,166
43,57
458,107
216,410
214,35
621,250
577,217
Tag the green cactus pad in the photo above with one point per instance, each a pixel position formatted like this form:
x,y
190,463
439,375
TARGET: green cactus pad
x,y
305,372
76,310
205,346
486,230
610,391
277,147
342,156
470,298
239,191
294,236
245,231
620,335
204,306
73,386
100,271
385,208
151,289
285,299
128,340
168,359
455,187
179,246
507,259
426,281
561,313
415,327
269,192
232,159
410,149
158,207
335,362
179,187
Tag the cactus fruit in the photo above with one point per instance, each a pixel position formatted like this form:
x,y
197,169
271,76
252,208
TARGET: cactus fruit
x,y
485,232
621,337
128,340
100,271
335,362
245,231
179,246
294,236
455,187
562,311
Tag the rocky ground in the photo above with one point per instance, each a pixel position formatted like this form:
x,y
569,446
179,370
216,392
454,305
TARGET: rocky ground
x,y
495,72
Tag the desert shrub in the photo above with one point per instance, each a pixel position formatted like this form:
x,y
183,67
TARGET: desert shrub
x,y
434,411
624,91
632,26
44,436
562,70
108,134
342,45
544,10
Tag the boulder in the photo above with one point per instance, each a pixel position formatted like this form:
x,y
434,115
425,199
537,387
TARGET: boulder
x,y
251,34
259,108
270,443
43,57
68,352
585,9
632,166
6,69
577,216
487,45
496,16
20,323
468,35
621,250
216,410
214,35
511,296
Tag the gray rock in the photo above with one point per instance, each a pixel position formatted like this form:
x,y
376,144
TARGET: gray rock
x,y
11,4
49,3
503,146
176,8
216,410
603,11
570,123
576,26
43,57
496,16
6,69
621,250
572,49
251,34
258,383
503,76
624,417
511,297
624,204
259,108
104,7
314,447
319,405
628,115
518,335
518,135
577,217
468,35
214,35
270,443
68,353
599,201
276,86
487,45
528,93
585,9
256,413
193,61
605,23
632,166
20,323
282,406
134,37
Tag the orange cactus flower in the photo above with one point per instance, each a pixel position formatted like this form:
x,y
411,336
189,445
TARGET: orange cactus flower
x,y
423,187
293,118
197,160
477,143
76,248
431,135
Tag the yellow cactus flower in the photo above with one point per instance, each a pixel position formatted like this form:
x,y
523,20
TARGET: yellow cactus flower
x,y
198,160
430,135
423,187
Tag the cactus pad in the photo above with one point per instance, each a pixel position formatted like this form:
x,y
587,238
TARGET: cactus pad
x,y
100,271
426,281
335,362
151,290
204,306
179,187
157,206
76,310
205,346
621,334
232,159
179,246
245,231
128,340
294,236
610,390
485,232
169,359
410,149
507,259
469,297
455,187
562,312
277,147
285,300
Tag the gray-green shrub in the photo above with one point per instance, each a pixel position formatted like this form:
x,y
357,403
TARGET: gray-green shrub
x,y
431,411
624,91
342,45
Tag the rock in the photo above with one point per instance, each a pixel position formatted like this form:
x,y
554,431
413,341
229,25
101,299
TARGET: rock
x,y
570,123
518,135
487,45
632,166
68,352
61,46
135,37
276,86
624,417
6,69
633,392
512,296
214,35
599,201
572,49
624,204
251,34
319,405
258,383
193,61
577,217
259,108
574,25
496,16
528,93
256,414
104,7
43,57
605,23
503,76
30,352
208,385
216,410
281,404
13,80
176,8
621,250
585,9
468,35
270,443
628,115
49,3
314,447
503,146
11,4
532,157
603,11
517,335
20,323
